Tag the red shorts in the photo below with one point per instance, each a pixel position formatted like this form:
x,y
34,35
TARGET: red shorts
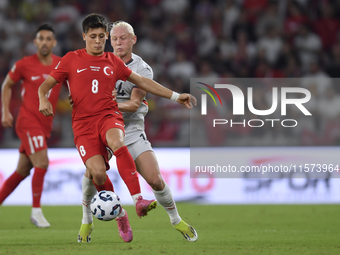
x,y
93,141
32,140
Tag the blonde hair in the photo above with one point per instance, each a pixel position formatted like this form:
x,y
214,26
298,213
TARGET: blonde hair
x,y
122,23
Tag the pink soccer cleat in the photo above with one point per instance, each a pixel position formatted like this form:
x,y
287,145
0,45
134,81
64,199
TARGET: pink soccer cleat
x,y
124,228
143,206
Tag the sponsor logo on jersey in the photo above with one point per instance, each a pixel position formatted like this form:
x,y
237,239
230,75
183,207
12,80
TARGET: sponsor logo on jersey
x,y
45,76
34,78
80,70
95,68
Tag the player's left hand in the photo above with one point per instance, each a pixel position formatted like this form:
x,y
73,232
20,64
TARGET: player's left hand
x,y
187,100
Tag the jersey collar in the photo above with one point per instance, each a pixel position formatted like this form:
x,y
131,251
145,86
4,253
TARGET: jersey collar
x,y
129,62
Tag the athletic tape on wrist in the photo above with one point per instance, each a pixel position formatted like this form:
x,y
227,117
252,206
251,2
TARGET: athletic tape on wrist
x,y
174,96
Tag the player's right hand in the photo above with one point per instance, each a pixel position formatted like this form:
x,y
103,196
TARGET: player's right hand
x,y
187,100
7,119
45,107
70,99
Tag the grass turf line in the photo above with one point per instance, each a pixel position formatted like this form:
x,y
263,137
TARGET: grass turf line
x,y
222,229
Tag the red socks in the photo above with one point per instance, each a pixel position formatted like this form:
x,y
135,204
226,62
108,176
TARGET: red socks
x,y
106,186
37,185
9,185
13,181
127,170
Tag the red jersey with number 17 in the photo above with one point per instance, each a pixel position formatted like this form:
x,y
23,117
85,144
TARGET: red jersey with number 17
x,y
91,80
32,73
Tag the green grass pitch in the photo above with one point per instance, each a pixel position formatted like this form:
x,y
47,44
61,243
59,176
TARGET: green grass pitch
x,y
222,229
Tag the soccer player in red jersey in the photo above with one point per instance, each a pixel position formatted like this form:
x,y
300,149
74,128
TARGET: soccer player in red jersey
x,y
97,123
132,102
32,128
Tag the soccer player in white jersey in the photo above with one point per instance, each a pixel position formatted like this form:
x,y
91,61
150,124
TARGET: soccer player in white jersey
x,y
132,102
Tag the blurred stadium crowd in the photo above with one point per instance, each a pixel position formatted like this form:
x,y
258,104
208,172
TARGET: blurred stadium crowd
x,y
182,39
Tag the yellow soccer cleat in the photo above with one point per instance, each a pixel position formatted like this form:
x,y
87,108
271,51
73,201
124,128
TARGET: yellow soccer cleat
x,y
84,235
187,231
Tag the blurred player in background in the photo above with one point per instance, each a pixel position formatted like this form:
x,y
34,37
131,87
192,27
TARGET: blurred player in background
x,y
132,102
97,122
32,128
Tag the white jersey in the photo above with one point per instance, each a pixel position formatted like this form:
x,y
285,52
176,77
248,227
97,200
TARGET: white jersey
x,y
134,121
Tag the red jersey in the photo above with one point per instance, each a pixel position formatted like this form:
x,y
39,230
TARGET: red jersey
x,y
32,73
91,80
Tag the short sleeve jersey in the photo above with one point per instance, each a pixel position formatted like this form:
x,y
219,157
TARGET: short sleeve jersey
x,y
32,73
91,80
134,121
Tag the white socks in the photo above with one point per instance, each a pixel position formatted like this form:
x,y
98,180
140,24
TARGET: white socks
x,y
122,214
135,197
164,197
36,210
89,190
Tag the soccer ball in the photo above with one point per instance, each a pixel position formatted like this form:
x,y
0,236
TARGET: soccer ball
x,y
105,205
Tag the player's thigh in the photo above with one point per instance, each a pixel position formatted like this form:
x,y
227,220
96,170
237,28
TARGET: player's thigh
x,y
90,146
112,131
146,164
39,159
138,146
24,165
114,138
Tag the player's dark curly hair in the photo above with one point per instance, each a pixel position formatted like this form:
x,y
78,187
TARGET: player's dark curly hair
x,y
47,27
94,20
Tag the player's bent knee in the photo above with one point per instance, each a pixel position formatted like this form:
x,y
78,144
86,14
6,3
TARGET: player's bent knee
x,y
99,175
99,178
115,139
24,171
115,145
156,183
42,164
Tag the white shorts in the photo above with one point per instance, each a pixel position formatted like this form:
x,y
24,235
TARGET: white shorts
x,y
139,147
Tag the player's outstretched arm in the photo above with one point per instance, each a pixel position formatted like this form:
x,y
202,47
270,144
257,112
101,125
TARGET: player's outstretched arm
x,y
45,107
6,93
132,105
157,89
